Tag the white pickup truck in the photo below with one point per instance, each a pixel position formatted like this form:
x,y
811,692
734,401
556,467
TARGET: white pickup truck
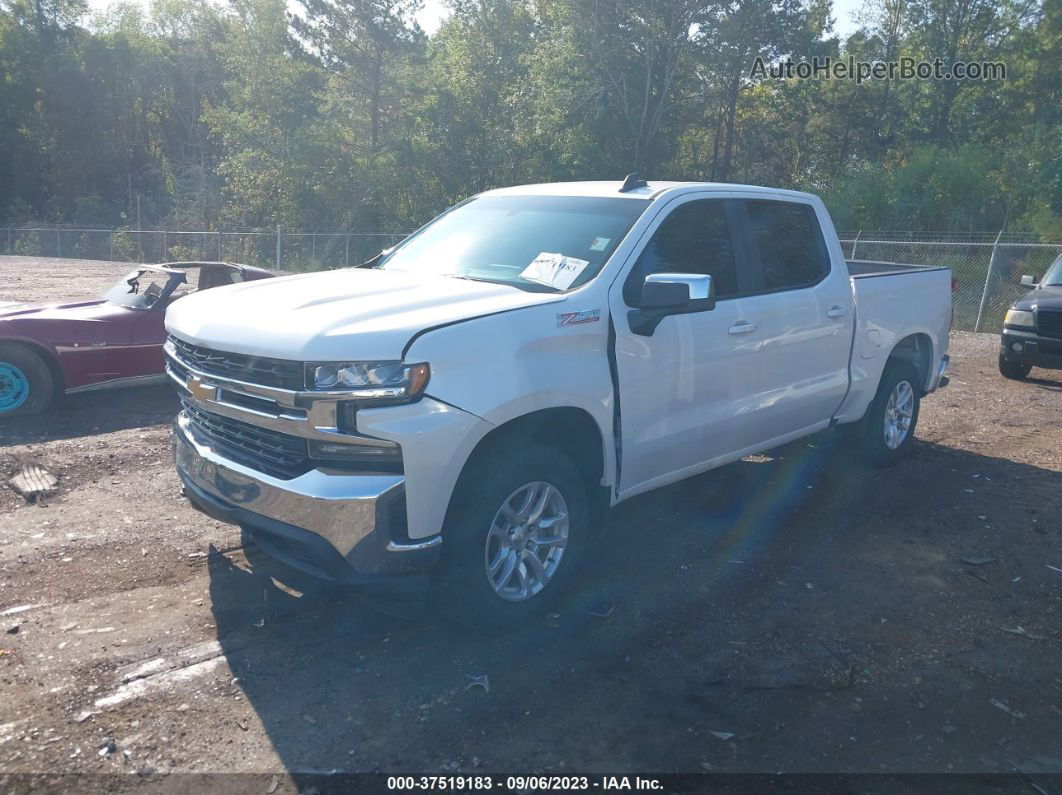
x,y
470,401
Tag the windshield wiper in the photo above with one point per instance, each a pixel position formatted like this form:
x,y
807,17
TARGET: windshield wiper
x,y
533,287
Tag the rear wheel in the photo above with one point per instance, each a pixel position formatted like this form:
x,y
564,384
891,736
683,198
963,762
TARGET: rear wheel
x,y
515,537
1015,371
886,431
26,383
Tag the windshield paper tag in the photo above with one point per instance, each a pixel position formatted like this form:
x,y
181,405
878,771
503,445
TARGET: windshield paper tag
x,y
578,318
554,270
599,244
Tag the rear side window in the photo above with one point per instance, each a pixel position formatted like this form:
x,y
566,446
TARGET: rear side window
x,y
789,243
694,238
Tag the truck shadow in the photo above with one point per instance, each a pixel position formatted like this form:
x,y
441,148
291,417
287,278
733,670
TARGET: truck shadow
x,y
729,602
90,413
1045,383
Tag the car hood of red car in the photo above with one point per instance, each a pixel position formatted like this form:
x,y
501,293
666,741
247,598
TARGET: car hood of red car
x,y
85,309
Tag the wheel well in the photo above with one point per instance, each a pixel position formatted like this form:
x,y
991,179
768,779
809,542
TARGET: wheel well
x,y
569,429
917,349
47,357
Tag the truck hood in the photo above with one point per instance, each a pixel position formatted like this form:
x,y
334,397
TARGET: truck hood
x,y
1044,298
352,314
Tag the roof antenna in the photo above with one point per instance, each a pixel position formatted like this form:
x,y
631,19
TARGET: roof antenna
x,y
632,181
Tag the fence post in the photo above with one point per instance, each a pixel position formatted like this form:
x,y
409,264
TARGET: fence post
x,y
58,243
346,253
220,258
165,247
313,251
112,245
278,246
856,243
988,279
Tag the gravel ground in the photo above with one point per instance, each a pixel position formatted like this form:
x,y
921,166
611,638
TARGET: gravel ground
x,y
48,280
793,611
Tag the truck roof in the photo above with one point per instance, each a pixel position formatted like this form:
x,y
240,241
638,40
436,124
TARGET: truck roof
x,y
652,190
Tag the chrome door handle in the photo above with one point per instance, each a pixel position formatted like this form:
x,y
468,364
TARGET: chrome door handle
x,y
741,328
835,312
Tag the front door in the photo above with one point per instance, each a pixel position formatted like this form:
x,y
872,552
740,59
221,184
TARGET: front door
x,y
688,392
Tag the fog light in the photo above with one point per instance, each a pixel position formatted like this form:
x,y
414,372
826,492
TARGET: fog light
x,y
1016,347
386,457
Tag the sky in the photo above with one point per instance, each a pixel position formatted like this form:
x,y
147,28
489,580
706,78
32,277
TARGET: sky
x,y
434,12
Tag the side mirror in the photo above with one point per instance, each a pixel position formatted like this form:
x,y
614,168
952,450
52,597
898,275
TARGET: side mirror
x,y
1029,281
666,294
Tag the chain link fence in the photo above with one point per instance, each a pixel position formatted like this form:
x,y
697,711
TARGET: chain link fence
x,y
987,268
290,251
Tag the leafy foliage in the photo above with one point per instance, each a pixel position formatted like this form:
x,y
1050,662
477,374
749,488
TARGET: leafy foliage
x,y
344,114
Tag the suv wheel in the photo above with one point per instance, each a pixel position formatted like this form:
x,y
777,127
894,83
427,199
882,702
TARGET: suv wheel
x,y
1015,371
515,537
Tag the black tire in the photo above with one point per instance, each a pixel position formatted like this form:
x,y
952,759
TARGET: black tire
x,y
20,368
871,435
461,581
1015,371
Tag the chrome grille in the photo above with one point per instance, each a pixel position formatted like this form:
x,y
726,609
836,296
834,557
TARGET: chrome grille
x,y
272,452
279,373
1049,322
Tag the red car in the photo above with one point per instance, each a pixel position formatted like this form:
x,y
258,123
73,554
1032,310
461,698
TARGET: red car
x,y
108,342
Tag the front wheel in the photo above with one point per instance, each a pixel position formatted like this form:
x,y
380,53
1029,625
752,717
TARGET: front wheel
x,y
515,537
889,425
26,383
1015,371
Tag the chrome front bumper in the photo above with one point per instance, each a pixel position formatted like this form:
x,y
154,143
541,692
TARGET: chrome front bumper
x,y
351,513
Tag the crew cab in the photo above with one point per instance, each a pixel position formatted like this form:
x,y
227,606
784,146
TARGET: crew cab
x,y
473,399
1032,327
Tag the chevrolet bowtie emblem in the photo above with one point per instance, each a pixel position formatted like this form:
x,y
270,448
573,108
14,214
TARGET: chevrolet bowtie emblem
x,y
201,391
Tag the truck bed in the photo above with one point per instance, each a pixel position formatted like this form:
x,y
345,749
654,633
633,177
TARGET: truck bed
x,y
887,309
865,268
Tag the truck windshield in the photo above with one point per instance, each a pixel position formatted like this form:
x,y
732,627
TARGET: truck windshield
x,y
1053,278
551,243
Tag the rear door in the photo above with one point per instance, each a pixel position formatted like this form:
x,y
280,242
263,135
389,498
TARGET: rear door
x,y
807,317
688,391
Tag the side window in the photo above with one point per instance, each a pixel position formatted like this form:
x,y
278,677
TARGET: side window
x,y
694,238
788,240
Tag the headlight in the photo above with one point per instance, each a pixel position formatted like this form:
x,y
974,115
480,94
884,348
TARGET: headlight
x,y
1019,317
370,380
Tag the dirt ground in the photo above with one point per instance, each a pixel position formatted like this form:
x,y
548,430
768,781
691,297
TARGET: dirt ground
x,y
45,279
792,612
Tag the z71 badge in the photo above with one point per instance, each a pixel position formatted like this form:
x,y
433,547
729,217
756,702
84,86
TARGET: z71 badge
x,y
575,318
